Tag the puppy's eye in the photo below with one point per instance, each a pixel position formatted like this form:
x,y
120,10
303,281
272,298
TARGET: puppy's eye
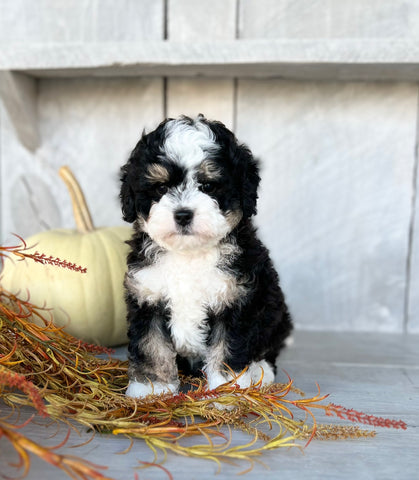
x,y
161,189
208,187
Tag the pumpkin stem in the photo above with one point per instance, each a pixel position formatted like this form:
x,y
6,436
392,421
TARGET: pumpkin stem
x,y
81,211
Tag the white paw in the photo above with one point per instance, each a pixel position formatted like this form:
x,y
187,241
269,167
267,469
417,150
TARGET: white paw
x,y
140,390
222,407
251,376
215,379
257,369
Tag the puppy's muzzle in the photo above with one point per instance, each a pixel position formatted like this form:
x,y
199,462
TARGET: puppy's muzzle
x,y
183,217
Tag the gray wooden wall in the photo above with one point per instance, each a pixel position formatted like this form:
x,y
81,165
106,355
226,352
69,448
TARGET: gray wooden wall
x,y
338,197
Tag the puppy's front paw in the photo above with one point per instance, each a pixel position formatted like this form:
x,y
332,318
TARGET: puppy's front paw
x,y
256,372
140,390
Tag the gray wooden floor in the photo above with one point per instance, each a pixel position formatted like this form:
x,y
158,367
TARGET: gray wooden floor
x,y
374,373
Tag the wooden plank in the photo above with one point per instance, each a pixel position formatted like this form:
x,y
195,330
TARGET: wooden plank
x,y
89,124
201,19
212,97
347,59
189,21
330,19
19,95
373,388
366,349
335,199
52,21
412,320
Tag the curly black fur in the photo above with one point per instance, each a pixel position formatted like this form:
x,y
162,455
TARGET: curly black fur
x,y
253,326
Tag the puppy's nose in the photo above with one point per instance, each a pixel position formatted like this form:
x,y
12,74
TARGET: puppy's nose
x,y
183,217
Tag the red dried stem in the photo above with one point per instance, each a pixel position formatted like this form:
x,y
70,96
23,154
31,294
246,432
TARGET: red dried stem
x,y
16,380
92,348
42,258
360,417
21,251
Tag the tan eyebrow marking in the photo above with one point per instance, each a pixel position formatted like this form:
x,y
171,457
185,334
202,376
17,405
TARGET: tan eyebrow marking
x,y
157,173
210,170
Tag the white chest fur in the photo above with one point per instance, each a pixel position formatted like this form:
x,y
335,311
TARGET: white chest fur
x,y
191,283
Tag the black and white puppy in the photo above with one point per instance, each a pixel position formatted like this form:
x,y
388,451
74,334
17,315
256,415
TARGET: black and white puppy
x,y
201,289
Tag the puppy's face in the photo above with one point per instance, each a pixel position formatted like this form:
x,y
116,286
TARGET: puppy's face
x,y
188,184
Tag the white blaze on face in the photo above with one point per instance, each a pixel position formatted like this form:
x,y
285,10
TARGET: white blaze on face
x,y
188,146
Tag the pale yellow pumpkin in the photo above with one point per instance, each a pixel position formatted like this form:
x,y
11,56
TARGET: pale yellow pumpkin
x,y
91,305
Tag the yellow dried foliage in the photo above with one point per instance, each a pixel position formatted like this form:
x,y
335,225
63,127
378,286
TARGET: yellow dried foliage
x,y
73,382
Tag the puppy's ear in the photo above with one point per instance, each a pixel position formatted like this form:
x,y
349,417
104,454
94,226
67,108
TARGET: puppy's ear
x,y
250,185
248,171
129,172
127,197
245,166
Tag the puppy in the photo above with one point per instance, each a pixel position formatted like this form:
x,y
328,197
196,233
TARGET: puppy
x,y
201,289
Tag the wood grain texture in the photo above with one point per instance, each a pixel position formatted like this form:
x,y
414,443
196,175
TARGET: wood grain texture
x,y
197,20
51,21
338,59
90,125
19,95
329,19
377,374
212,97
412,320
335,199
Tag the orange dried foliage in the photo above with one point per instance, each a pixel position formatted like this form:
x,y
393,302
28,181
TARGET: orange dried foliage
x,y
64,378
76,468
